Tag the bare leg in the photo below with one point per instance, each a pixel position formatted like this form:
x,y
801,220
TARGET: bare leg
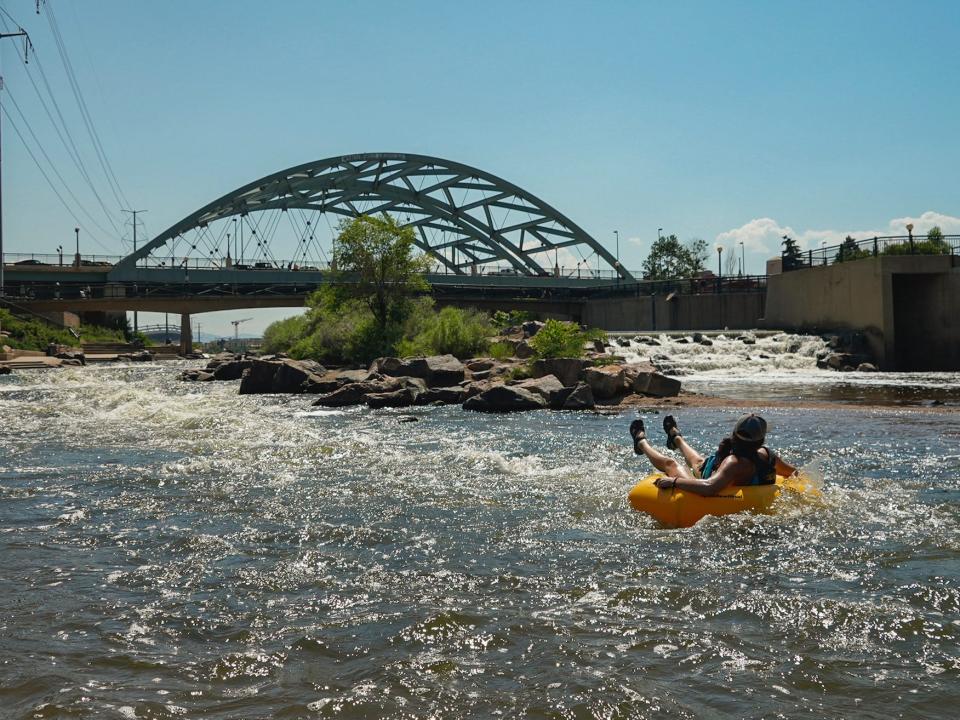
x,y
664,463
693,458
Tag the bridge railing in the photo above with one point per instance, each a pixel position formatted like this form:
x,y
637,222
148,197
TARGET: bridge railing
x,y
881,245
686,286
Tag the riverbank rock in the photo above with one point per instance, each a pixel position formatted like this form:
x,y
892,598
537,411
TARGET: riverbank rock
x,y
548,387
867,367
566,370
655,384
531,328
505,398
404,397
579,397
279,376
606,381
138,356
5,370
435,370
73,355
454,395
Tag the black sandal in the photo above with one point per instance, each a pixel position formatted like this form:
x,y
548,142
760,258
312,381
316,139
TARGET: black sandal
x,y
637,431
672,431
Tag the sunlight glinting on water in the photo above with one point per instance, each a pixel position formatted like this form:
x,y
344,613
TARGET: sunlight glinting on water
x,y
174,549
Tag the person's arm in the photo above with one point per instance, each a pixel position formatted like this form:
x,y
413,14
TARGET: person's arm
x,y
728,472
784,469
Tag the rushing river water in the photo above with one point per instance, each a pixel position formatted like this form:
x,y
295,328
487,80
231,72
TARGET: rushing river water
x,y
174,550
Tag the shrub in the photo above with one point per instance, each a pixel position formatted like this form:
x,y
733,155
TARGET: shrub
x,y
282,335
920,247
503,320
500,351
558,339
463,333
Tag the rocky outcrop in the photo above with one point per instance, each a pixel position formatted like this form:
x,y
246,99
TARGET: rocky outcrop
x,y
138,356
404,397
279,376
505,398
548,387
75,356
566,370
654,384
579,397
606,381
358,393
436,370
454,395
531,328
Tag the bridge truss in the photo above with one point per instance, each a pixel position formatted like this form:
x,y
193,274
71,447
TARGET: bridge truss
x,y
467,220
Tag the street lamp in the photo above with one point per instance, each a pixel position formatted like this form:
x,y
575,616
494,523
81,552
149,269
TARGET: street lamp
x,y
659,233
743,260
719,267
617,233
76,259
60,253
910,233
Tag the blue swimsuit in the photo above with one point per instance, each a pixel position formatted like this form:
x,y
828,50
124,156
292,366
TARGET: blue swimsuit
x,y
764,472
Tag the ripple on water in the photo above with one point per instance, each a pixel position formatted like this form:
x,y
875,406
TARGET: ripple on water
x,y
215,555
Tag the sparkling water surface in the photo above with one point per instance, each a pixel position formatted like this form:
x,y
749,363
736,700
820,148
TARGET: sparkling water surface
x,y
174,550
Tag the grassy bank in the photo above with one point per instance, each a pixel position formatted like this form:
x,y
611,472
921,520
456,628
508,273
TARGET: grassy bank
x,y
29,334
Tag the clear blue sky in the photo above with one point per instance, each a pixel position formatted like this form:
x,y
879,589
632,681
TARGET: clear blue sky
x,y
726,121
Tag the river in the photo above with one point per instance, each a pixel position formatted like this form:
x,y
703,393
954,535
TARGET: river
x,y
175,550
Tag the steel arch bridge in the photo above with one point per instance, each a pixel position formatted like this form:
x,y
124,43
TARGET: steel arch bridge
x,y
466,219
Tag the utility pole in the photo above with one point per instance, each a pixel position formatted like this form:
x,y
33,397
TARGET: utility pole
x,y
26,47
134,213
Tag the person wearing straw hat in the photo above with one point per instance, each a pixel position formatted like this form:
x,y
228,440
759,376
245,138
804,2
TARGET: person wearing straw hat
x,y
740,459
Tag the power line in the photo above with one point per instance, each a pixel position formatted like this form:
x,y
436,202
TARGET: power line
x,y
46,177
53,166
66,138
84,111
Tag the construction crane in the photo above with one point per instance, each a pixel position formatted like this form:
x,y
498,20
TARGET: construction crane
x,y
236,327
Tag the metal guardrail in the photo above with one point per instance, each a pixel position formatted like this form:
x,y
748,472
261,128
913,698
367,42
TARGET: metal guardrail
x,y
580,272
885,245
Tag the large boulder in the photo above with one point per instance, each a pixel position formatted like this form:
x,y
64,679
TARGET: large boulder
x,y
137,356
480,364
523,350
566,370
292,376
655,384
277,376
578,398
5,370
229,369
436,370
505,398
548,387
404,397
354,393
607,381
454,395
76,355
258,378
531,328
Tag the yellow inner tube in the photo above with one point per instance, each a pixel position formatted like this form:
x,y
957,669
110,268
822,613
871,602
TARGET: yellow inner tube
x,y
679,508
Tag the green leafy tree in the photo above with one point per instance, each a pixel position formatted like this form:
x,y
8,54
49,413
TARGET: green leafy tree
x,y
669,259
376,265
935,234
792,254
849,250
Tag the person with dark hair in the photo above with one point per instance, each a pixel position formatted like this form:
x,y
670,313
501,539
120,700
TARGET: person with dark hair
x,y
740,459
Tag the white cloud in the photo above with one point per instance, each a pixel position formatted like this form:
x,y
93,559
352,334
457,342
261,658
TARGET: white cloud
x,y
765,235
949,224
760,234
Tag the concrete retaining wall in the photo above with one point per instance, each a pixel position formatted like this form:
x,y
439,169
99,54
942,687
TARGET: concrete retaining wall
x,y
905,305
715,311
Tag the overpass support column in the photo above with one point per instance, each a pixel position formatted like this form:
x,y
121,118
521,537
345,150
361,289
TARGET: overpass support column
x,y
186,334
